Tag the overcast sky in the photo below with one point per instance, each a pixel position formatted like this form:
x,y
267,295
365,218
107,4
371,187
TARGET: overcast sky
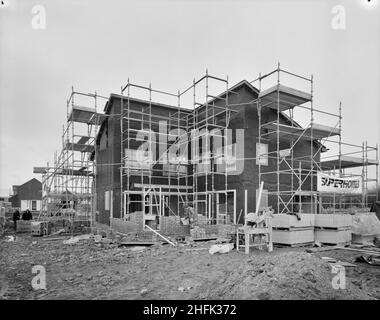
x,y
97,45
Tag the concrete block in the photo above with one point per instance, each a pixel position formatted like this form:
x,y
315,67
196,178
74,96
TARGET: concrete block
x,y
334,221
288,221
333,236
293,237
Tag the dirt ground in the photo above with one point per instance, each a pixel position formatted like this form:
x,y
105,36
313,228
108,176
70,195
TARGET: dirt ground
x,y
89,270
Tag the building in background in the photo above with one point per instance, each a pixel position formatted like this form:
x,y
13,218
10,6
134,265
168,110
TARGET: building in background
x,y
27,196
4,198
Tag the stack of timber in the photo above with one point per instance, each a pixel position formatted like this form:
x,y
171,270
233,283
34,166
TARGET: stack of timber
x,y
288,230
198,232
333,228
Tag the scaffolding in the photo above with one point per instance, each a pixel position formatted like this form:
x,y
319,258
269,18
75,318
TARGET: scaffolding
x,y
148,181
183,153
296,151
69,185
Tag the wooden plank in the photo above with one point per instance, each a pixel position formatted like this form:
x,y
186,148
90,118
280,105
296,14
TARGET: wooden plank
x,y
343,264
157,233
293,245
197,249
136,243
313,250
205,239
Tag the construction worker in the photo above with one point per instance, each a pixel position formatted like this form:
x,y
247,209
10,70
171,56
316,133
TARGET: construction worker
x,y
296,211
190,214
27,215
16,217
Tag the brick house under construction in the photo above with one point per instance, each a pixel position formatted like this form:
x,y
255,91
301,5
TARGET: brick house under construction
x,y
211,146
134,179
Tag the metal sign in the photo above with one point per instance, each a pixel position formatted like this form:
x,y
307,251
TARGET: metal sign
x,y
327,183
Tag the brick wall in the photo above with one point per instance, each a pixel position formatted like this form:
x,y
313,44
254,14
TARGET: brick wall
x,y
172,226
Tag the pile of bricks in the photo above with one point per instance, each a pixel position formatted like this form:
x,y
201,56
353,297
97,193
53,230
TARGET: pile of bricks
x,y
145,236
148,236
71,226
172,226
56,225
211,229
79,226
135,223
201,219
220,230
136,220
225,230
198,232
23,226
40,228
123,226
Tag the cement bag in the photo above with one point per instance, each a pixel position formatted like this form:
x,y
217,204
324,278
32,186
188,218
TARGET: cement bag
x,y
221,248
185,221
365,223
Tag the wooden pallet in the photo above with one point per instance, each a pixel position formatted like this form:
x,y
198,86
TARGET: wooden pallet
x,y
136,243
293,245
205,239
293,228
339,244
332,228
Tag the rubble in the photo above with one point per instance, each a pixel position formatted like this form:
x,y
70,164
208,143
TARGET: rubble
x,y
83,270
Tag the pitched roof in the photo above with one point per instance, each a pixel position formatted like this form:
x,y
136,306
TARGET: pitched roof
x,y
236,87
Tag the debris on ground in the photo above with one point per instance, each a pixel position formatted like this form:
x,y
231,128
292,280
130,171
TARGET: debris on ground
x,y
372,260
10,239
221,248
86,269
286,275
76,239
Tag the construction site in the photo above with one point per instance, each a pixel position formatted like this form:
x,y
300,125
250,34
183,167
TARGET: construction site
x,y
216,191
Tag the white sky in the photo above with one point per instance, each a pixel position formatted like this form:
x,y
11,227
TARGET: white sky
x,y
97,45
